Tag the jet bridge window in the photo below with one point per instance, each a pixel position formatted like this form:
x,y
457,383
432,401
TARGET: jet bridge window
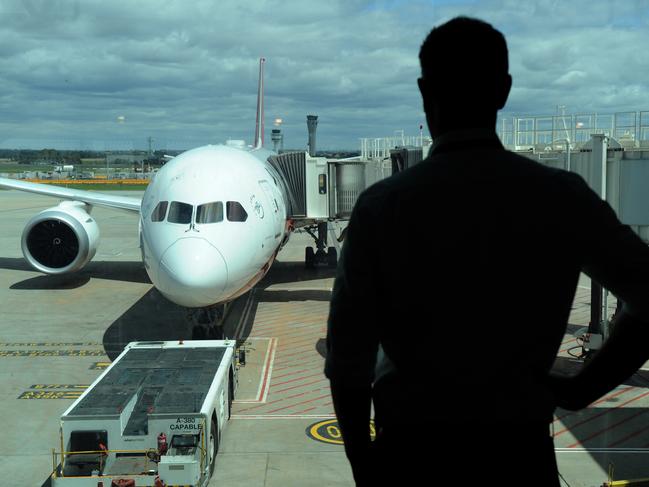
x,y
180,212
159,212
235,212
209,212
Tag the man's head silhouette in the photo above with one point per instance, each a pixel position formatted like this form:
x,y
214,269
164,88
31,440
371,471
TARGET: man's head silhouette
x,y
464,75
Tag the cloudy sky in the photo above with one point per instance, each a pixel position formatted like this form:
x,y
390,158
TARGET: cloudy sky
x,y
109,74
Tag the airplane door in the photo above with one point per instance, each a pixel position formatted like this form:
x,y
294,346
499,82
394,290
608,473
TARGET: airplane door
x,y
274,206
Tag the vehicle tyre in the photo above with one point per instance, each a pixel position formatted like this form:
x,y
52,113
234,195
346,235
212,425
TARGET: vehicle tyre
x,y
230,398
213,445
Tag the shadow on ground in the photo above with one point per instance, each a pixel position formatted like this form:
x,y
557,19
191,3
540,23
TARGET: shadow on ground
x,y
152,318
155,318
111,270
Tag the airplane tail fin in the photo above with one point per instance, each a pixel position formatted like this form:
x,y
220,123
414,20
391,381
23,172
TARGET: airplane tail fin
x,y
259,130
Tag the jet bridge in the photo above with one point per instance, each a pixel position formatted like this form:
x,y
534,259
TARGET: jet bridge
x,y
320,190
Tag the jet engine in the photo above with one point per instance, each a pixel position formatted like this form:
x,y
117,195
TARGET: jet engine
x,y
61,239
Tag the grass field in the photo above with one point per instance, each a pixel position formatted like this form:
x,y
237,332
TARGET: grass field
x,y
110,185
86,165
11,167
94,184
105,187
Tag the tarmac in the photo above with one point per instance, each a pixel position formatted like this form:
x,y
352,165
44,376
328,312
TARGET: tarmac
x,y
58,332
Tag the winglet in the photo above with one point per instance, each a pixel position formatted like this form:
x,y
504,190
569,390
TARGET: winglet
x,y
259,130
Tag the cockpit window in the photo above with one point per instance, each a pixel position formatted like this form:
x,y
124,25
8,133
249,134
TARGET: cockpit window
x,y
180,212
235,212
210,212
159,211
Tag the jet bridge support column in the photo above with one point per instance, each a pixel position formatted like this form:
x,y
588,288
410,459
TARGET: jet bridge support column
x,y
322,236
598,327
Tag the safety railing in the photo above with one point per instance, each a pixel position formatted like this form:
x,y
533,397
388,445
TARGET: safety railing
x,y
59,460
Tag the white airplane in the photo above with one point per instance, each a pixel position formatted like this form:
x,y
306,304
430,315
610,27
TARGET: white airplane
x,y
212,221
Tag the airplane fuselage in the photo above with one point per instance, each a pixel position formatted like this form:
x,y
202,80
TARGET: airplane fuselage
x,y
224,220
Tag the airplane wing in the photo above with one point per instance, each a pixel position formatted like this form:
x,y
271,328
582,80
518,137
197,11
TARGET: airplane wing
x,y
90,197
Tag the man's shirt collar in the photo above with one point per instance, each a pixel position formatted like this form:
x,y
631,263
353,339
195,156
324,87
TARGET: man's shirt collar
x,y
466,139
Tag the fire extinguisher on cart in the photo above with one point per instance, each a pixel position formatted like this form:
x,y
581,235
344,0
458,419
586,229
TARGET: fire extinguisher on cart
x,y
162,444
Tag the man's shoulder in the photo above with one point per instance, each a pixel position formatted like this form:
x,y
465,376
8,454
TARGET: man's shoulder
x,y
434,172
395,184
437,166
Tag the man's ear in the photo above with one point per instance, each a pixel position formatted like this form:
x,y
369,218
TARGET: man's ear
x,y
504,91
423,89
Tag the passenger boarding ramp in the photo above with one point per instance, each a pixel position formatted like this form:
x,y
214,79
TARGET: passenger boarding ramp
x,y
321,190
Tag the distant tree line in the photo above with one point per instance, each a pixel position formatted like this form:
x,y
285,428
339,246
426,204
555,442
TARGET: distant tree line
x,y
73,157
54,156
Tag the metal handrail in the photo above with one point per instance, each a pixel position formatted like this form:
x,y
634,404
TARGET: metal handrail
x,y
103,453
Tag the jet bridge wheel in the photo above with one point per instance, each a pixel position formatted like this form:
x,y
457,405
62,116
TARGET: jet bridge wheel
x,y
309,257
313,259
332,257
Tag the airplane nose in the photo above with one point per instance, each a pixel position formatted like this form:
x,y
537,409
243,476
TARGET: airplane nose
x,y
192,272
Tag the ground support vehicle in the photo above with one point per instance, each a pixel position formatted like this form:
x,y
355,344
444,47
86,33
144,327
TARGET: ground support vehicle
x,y
153,418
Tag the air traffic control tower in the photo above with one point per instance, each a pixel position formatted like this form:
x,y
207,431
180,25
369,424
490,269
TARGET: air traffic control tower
x,y
312,125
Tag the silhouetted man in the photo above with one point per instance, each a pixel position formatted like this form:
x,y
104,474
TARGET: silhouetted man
x,y
454,289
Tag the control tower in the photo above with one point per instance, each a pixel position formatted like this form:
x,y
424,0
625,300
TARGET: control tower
x,y
312,124
278,140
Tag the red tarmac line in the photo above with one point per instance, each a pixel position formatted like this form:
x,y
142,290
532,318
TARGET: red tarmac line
x,y
296,379
302,332
301,327
599,401
265,385
295,332
284,355
295,372
301,363
566,349
305,342
610,427
606,410
281,399
304,385
629,436
306,410
298,404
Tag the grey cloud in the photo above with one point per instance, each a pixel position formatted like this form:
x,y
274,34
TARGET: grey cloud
x,y
187,72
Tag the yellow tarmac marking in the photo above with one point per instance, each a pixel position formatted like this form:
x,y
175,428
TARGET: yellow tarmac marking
x,y
52,353
329,432
46,344
59,386
50,395
99,365
44,391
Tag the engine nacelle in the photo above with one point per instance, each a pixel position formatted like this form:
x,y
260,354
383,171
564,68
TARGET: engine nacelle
x,y
61,239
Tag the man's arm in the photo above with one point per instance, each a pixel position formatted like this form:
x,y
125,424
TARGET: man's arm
x,y
353,408
623,353
617,259
352,338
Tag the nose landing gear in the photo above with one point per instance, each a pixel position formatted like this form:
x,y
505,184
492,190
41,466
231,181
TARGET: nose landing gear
x,y
321,255
207,323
